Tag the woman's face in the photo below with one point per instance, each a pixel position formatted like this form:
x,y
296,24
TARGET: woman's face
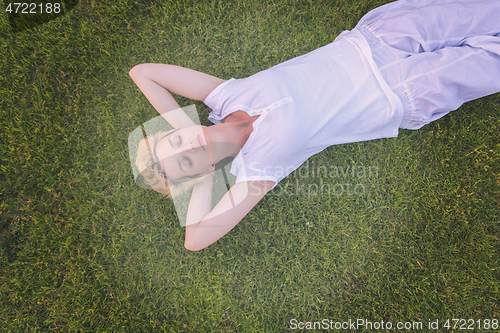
x,y
184,153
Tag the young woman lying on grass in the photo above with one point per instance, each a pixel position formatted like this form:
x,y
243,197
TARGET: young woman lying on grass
x,y
404,65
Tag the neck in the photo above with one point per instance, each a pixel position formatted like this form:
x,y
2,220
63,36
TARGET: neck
x,y
235,132
245,130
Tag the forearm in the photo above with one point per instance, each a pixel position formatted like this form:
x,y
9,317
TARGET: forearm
x,y
178,80
160,98
158,81
201,201
158,95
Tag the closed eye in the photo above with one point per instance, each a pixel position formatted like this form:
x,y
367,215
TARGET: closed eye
x,y
178,141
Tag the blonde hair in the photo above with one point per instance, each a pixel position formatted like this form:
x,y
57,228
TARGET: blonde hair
x,y
150,168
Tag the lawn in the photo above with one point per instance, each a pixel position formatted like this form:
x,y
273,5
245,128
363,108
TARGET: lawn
x,y
409,231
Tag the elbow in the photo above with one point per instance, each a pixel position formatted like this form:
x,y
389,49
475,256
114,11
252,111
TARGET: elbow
x,y
191,246
141,70
145,70
136,70
194,243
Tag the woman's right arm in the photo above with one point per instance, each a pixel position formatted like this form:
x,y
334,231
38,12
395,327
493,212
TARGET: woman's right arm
x,y
230,210
158,81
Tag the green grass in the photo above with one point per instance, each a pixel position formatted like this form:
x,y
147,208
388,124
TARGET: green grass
x,y
82,249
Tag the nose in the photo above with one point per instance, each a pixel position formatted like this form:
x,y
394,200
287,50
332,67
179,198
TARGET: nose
x,y
188,146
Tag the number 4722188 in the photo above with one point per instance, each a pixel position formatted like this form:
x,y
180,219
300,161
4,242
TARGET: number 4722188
x,y
33,8
471,324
